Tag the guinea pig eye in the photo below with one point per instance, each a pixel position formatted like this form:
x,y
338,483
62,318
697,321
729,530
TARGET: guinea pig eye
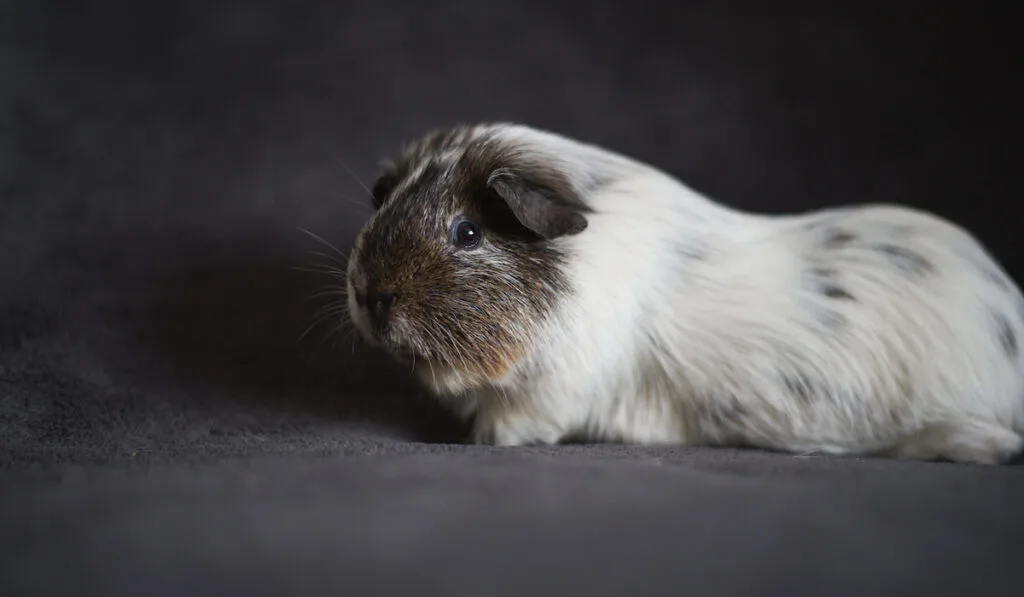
x,y
466,234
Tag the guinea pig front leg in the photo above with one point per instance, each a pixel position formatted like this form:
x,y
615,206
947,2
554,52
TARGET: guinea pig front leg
x,y
498,424
969,441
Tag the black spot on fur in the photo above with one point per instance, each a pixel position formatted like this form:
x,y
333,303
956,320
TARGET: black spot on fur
x,y
837,238
691,249
799,387
726,412
824,282
836,292
996,277
1007,337
906,260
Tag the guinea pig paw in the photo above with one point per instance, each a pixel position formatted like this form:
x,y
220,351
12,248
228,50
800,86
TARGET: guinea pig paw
x,y
511,432
976,442
482,435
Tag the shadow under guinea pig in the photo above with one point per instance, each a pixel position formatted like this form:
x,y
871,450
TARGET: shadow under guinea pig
x,y
238,322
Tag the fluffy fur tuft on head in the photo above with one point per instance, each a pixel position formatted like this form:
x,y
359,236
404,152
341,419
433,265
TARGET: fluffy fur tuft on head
x,y
553,288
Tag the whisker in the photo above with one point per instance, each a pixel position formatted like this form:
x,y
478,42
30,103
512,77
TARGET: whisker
x,y
367,208
345,329
440,344
321,317
369,193
342,292
433,374
332,334
322,271
325,243
327,310
333,310
331,258
434,342
504,395
318,268
345,325
310,328
456,348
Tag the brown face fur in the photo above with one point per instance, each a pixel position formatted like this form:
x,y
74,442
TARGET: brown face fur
x,y
471,310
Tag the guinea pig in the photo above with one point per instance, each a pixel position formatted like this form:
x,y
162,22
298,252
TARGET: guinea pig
x,y
547,288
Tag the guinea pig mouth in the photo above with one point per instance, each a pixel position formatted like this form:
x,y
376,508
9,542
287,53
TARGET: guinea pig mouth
x,y
399,346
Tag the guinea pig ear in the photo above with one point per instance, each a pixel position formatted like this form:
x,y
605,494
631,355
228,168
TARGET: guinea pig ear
x,y
385,183
542,210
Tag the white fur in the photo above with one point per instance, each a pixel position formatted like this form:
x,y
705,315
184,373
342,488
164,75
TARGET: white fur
x,y
655,347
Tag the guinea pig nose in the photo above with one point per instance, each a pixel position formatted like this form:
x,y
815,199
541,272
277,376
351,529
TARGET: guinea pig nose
x,y
379,303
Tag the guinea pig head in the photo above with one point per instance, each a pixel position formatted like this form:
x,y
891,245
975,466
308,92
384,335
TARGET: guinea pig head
x,y
463,258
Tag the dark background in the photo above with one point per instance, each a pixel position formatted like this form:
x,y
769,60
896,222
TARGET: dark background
x,y
165,424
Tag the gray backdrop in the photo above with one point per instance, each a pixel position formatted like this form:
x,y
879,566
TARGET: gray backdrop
x,y
165,431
